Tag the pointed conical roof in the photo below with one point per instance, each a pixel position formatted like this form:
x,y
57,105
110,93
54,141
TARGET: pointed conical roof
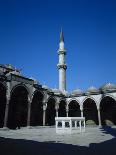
x,y
61,36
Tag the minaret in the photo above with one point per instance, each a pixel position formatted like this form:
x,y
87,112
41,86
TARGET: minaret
x,y
61,65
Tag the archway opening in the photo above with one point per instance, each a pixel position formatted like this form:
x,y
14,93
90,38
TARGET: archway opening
x,y
108,111
62,109
90,112
74,109
2,104
18,108
50,112
37,109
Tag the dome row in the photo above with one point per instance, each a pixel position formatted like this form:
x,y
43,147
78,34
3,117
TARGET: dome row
x,y
106,87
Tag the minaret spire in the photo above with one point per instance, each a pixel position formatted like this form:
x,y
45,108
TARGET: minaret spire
x,y
61,36
62,65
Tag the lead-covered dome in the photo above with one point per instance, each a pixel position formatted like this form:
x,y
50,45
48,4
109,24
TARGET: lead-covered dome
x,y
10,66
92,90
56,91
35,80
77,92
108,86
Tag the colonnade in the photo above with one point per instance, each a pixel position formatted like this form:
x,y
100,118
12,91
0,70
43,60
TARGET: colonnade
x,y
52,106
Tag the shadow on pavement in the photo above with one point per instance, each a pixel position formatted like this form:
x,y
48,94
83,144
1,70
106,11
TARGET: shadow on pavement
x,y
109,130
28,147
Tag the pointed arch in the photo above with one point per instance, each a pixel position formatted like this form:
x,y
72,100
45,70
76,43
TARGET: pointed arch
x,y
2,103
90,97
90,111
74,108
108,110
50,111
62,108
73,99
18,107
37,109
20,85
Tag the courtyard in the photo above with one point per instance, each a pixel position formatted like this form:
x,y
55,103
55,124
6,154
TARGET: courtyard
x,y
44,140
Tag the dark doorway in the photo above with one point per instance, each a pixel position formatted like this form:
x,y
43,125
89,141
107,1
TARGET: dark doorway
x,y
18,108
2,104
37,109
74,109
50,112
108,111
62,109
90,112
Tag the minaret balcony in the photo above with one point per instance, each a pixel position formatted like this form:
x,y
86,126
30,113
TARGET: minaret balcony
x,y
60,51
64,66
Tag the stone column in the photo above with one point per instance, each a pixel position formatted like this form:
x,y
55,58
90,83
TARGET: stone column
x,y
44,114
67,110
6,112
99,116
7,105
81,112
81,108
56,107
29,111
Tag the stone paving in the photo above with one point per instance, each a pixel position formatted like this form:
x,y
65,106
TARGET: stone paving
x,y
48,134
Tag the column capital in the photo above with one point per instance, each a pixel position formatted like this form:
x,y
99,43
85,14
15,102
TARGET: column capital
x,y
44,107
81,107
98,108
57,107
67,108
8,98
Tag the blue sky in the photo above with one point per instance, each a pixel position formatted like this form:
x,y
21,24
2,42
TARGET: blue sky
x,y
29,39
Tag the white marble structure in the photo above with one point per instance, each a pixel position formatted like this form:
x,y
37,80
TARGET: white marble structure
x,y
70,124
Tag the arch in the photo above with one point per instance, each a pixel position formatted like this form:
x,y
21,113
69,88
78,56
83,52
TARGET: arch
x,y
52,97
107,95
20,85
50,111
18,107
62,108
2,103
74,109
89,97
90,111
73,99
108,111
37,109
36,91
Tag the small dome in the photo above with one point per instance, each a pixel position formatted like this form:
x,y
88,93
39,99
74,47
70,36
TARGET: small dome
x,y
108,86
45,86
92,89
56,91
35,81
10,66
76,92
65,93
15,72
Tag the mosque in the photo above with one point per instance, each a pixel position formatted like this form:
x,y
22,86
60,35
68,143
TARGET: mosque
x,y
25,102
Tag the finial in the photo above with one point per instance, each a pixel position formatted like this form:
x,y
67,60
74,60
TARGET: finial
x,y
61,36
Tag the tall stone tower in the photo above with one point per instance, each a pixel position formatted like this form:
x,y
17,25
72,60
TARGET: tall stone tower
x,y
62,65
